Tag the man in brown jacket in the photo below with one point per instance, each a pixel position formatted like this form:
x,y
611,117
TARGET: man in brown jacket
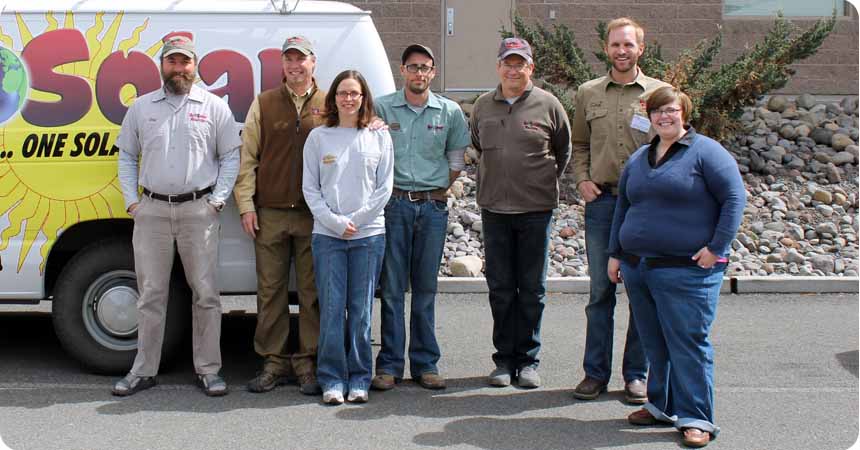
x,y
269,196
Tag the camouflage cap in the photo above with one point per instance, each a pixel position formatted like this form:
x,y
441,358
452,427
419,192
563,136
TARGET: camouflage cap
x,y
178,44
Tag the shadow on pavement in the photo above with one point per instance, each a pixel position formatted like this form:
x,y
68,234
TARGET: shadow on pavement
x,y
546,433
849,361
39,374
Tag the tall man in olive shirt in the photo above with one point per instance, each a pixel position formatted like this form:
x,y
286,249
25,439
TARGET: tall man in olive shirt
x,y
523,136
274,213
609,125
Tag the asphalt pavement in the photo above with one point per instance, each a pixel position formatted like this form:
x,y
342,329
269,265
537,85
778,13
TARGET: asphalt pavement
x,y
786,378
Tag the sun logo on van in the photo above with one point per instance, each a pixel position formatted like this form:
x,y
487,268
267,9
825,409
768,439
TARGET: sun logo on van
x,y
55,174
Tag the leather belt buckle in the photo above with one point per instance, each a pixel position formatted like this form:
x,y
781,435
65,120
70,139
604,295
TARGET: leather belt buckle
x,y
409,196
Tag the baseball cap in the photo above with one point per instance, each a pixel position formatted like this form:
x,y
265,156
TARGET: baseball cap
x,y
515,46
299,43
178,44
416,48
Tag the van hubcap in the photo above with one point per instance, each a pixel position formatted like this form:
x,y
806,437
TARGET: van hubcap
x,y
110,310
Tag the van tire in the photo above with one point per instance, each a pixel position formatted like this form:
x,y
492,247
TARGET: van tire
x,y
94,294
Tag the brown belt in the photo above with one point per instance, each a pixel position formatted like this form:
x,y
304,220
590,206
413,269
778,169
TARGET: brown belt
x,y
417,196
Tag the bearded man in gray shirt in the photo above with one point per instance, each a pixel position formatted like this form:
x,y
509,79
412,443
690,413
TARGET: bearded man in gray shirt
x,y
181,145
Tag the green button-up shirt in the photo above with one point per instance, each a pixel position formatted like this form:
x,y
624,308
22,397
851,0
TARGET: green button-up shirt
x,y
602,136
421,140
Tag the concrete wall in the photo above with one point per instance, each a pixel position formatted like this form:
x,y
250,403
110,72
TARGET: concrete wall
x,y
675,24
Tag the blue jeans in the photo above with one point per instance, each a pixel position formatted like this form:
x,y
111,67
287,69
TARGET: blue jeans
x,y
515,251
414,239
674,310
600,322
346,275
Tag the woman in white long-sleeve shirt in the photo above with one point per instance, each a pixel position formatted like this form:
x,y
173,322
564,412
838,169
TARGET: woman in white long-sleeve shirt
x,y
347,180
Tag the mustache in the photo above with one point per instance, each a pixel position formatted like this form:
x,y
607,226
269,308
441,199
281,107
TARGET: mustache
x,y
178,82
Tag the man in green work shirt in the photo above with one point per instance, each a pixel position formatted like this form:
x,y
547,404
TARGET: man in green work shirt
x,y
609,125
430,138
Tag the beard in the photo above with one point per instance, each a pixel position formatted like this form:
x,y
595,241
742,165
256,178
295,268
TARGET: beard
x,y
178,83
418,89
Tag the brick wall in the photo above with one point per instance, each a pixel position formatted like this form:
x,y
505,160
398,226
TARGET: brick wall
x,y
403,22
680,24
675,24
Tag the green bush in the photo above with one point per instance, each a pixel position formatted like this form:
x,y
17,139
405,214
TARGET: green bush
x,y
718,93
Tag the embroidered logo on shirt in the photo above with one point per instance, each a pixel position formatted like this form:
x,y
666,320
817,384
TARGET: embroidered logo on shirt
x,y
395,126
197,117
530,125
329,159
432,127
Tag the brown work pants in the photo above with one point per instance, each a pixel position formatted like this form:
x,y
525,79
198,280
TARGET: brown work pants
x,y
284,233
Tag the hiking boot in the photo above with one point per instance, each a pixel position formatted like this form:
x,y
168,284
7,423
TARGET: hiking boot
x,y
265,381
383,382
308,384
431,380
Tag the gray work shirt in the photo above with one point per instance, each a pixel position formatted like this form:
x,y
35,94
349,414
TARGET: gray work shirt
x,y
180,148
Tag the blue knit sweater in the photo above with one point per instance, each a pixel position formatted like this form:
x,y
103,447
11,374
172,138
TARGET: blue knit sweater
x,y
694,199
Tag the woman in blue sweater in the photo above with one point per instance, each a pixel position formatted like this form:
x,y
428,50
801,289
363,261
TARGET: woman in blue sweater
x,y
680,203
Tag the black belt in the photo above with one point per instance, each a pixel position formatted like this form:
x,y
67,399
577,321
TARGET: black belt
x,y
608,188
416,196
663,261
177,198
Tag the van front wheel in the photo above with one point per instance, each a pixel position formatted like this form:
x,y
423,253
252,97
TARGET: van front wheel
x,y
94,308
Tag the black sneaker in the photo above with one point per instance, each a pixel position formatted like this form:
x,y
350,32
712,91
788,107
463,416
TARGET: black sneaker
x,y
132,384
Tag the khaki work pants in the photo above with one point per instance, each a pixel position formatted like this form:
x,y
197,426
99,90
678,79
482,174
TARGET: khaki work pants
x,y
194,227
285,232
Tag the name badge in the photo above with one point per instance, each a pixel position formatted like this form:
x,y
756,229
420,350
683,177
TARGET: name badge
x,y
329,159
640,123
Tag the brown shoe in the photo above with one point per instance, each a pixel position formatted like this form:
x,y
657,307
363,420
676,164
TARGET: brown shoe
x,y
642,417
589,388
636,392
308,384
265,381
431,380
383,382
694,437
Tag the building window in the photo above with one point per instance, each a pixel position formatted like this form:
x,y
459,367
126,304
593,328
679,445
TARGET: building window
x,y
788,7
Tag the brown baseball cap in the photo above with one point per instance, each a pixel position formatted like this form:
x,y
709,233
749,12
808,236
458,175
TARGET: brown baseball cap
x,y
417,48
515,46
299,43
178,44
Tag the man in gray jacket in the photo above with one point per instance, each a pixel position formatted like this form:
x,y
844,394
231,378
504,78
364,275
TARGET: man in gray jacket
x,y
523,136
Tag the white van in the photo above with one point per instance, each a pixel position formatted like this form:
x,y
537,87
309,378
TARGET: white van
x,y
70,68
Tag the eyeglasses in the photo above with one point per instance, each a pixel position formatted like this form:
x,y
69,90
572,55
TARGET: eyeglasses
x,y
418,68
348,94
515,67
665,111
